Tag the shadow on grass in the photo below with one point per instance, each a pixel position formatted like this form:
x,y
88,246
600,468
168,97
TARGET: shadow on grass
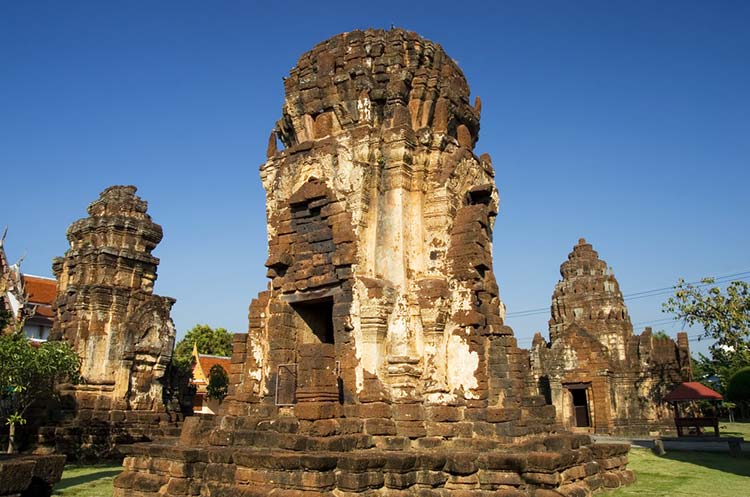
x,y
718,461
87,478
730,433
735,429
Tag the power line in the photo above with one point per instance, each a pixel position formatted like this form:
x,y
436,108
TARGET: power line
x,y
741,276
638,295
700,284
528,341
529,312
655,321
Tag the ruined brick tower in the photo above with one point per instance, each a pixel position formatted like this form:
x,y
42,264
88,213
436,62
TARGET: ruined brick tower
x,y
595,371
377,362
106,308
380,220
589,295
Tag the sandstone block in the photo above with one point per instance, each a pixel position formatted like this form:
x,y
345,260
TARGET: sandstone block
x,y
444,413
461,463
316,410
380,426
494,479
408,412
411,429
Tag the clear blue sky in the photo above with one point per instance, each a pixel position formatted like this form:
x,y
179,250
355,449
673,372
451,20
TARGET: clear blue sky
x,y
626,122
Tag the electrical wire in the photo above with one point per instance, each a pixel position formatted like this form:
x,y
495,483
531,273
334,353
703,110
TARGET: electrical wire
x,y
741,276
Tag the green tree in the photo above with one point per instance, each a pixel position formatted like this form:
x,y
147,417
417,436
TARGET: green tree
x,y
661,334
6,318
29,373
218,383
209,341
738,388
724,317
703,368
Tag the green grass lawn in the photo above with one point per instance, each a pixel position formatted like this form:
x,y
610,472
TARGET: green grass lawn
x,y
687,474
736,429
87,481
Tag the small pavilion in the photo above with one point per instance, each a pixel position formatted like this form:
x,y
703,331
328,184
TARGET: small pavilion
x,y
690,392
202,364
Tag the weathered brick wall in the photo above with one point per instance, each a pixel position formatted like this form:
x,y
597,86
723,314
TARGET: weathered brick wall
x,y
592,342
377,362
105,306
106,310
361,204
543,471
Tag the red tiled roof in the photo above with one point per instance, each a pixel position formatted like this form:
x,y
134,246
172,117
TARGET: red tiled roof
x,y
692,390
44,311
40,290
206,362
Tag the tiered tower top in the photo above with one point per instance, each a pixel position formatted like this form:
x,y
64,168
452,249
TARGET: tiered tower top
x,y
590,296
373,77
118,226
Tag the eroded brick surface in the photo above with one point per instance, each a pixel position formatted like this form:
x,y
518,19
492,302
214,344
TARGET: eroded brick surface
x,y
593,349
377,362
106,309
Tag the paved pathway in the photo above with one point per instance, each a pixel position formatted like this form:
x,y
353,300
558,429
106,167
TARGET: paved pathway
x,y
672,444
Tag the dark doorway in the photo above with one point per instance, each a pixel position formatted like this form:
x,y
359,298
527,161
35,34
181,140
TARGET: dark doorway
x,y
545,390
580,407
317,317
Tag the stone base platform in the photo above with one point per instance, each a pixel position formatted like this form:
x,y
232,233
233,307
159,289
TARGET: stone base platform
x,y
95,435
25,475
329,450
561,465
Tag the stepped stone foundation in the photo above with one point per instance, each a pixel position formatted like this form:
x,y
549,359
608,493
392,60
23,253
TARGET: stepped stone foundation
x,y
599,375
29,475
377,362
106,309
